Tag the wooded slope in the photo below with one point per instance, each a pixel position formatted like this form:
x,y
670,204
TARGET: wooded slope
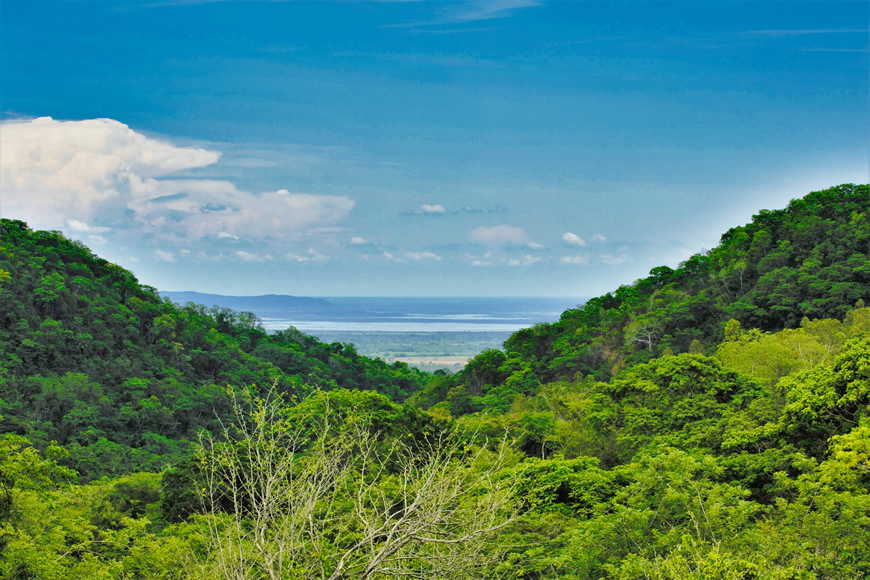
x,y
122,378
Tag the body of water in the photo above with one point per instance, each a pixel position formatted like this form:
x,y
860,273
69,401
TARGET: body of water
x,y
390,314
430,333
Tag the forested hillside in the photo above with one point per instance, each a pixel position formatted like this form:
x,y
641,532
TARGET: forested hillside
x,y
711,421
809,260
122,378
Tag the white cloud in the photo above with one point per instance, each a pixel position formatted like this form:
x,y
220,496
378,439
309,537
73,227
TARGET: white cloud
x,y
576,259
573,239
388,256
296,257
97,240
206,210
358,241
247,256
227,236
431,209
598,238
311,255
57,172
83,227
614,260
165,256
315,255
250,257
526,260
55,169
488,9
497,235
484,260
535,246
529,260
423,256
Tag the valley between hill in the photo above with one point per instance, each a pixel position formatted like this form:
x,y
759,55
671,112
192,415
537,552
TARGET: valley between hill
x,y
708,421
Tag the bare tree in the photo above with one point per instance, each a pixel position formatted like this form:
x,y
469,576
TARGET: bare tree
x,y
328,498
643,331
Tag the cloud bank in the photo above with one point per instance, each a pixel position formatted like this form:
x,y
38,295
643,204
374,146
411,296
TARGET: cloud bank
x,y
501,235
99,175
431,209
573,239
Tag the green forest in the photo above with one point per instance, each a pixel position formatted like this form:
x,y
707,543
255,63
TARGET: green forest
x,y
707,421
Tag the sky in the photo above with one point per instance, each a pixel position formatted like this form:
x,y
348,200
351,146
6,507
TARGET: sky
x,y
421,148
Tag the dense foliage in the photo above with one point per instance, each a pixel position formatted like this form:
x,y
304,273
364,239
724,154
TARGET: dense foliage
x,y
122,378
809,260
711,421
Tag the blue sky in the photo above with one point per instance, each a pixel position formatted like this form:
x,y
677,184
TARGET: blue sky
x,y
463,147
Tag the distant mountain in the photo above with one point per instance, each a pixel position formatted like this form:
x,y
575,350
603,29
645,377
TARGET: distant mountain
x,y
266,306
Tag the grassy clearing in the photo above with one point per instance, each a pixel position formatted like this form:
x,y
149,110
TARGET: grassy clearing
x,y
424,350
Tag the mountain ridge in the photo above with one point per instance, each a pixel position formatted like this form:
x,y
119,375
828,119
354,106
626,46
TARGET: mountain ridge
x,y
264,303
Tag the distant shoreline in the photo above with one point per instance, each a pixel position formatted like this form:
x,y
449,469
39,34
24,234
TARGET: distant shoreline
x,y
389,314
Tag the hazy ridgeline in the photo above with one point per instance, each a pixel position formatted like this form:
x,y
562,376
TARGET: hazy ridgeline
x,y
428,333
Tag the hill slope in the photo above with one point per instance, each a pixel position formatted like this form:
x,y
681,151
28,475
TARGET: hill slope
x,y
122,377
753,463
811,259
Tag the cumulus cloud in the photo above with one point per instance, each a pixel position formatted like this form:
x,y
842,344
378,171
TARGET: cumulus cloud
x,y
423,256
526,260
501,235
165,256
577,259
250,257
311,255
277,214
358,241
613,260
491,258
535,246
54,169
431,209
598,238
573,239
73,172
84,228
484,260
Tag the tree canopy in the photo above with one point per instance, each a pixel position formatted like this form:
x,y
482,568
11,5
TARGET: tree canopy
x,y
708,421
